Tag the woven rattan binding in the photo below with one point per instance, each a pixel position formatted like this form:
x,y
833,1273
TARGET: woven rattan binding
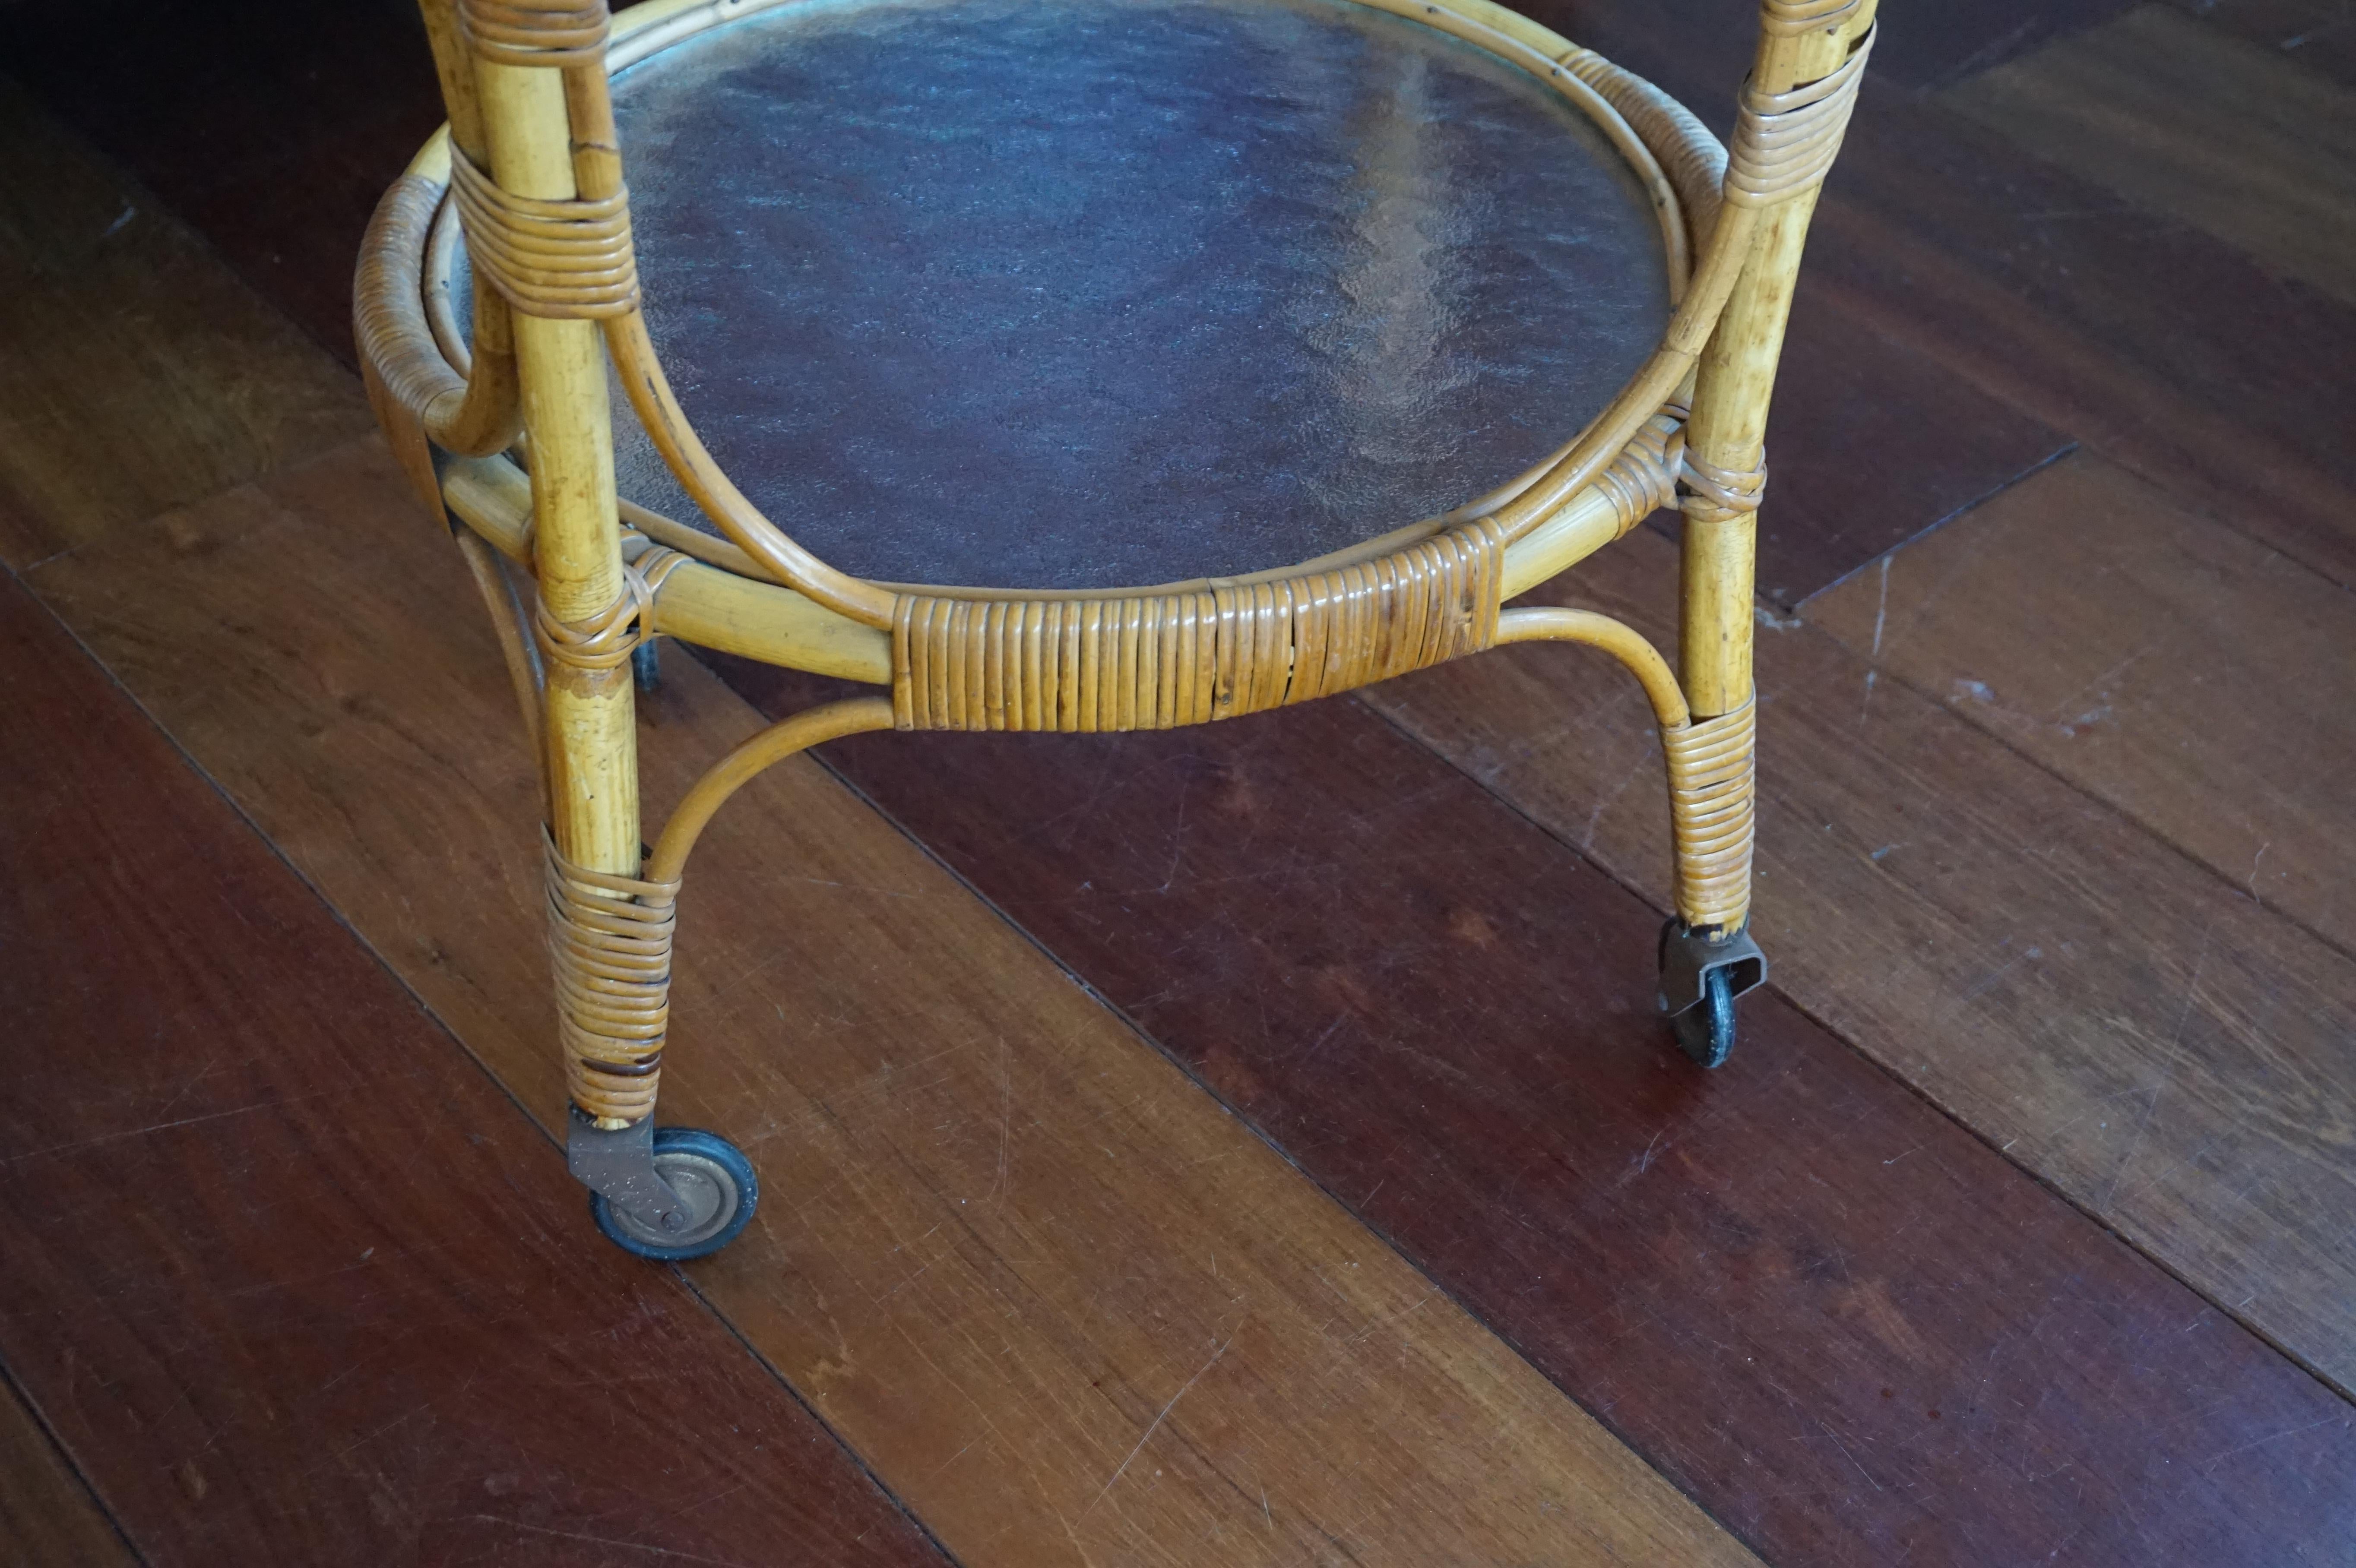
x,y
1789,17
1712,806
563,259
1689,155
536,32
1784,143
609,939
606,641
1155,661
1713,494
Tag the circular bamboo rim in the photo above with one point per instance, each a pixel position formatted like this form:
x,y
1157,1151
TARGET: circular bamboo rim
x,y
1672,154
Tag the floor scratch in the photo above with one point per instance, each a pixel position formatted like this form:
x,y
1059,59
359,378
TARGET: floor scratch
x,y
1156,1426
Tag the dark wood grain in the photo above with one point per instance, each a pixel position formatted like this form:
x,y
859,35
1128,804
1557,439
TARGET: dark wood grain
x,y
2228,137
1069,1309
1870,444
48,1517
2317,34
2120,1020
2176,670
1845,1324
137,372
292,1281
271,126
2159,345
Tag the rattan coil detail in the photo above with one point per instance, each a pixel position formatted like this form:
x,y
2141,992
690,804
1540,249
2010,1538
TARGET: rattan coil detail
x,y
536,32
1689,155
1713,494
1713,809
1784,143
606,641
570,259
1786,17
1644,478
391,271
1156,661
609,939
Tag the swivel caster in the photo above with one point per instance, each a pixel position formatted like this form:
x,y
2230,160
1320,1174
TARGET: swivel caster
x,y
717,1190
1702,972
666,1193
1705,1031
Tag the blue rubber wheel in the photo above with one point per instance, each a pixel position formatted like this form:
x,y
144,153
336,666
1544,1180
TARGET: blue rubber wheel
x,y
714,1177
1705,1031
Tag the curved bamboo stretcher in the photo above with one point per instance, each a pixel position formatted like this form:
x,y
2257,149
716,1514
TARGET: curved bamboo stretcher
x,y
530,169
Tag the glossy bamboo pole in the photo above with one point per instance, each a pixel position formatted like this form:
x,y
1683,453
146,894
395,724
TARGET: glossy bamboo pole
x,y
1732,394
590,730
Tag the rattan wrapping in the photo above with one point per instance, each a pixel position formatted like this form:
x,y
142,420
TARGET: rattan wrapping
x,y
1784,143
606,641
1155,661
609,938
1713,813
1644,478
1789,17
1689,155
1714,495
536,32
562,259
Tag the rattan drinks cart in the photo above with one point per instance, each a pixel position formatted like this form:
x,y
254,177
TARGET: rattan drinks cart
x,y
1081,365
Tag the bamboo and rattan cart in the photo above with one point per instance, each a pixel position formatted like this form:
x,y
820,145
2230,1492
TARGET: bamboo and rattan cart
x,y
511,352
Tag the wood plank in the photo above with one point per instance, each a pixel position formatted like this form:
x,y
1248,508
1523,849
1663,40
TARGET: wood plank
x,y
2317,34
1069,1308
2160,346
1873,442
1768,1279
292,1279
135,372
273,137
2164,1052
2224,135
2176,669
48,1517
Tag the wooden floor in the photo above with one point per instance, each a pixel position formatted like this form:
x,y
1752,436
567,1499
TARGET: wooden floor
x,y
1157,1174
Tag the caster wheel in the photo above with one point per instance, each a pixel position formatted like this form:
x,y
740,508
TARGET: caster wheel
x,y
1705,1031
716,1181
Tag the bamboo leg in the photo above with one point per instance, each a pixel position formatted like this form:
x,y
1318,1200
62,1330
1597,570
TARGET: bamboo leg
x,y
1803,75
588,711
1712,766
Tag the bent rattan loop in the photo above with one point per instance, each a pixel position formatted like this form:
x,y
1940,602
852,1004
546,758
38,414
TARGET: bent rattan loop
x,y
1710,493
606,641
609,938
564,258
1785,141
389,272
1156,661
1712,808
536,32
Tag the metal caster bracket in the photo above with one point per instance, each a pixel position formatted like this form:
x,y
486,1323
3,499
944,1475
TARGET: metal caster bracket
x,y
620,1167
1689,957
